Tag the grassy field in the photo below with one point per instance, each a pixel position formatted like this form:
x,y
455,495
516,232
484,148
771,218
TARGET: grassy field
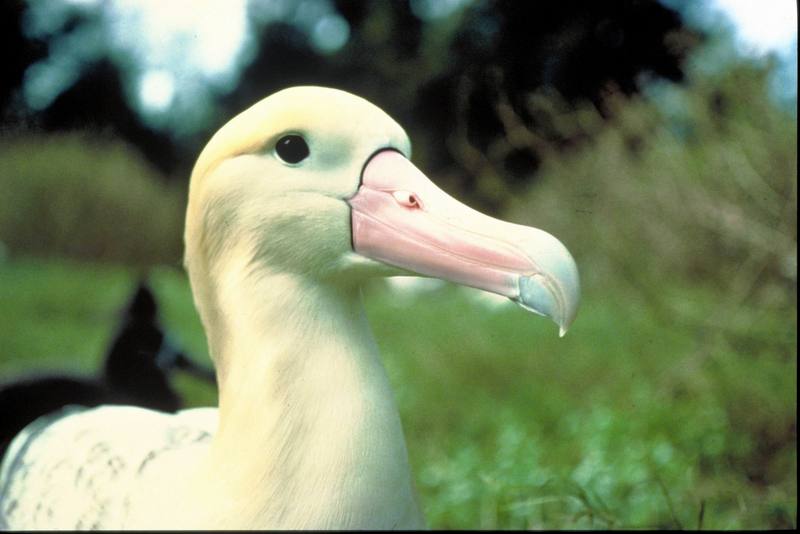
x,y
626,422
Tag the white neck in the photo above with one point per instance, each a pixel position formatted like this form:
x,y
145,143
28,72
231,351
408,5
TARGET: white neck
x,y
309,433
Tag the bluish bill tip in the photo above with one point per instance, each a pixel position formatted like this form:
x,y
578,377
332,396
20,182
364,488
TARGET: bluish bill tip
x,y
536,296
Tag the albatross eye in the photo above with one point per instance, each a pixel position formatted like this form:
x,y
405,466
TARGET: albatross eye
x,y
292,148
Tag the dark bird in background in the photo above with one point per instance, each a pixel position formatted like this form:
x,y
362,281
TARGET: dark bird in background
x,y
136,372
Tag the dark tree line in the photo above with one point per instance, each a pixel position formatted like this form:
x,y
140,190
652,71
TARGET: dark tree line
x,y
439,78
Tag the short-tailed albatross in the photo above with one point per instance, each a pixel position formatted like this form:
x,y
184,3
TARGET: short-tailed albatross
x,y
292,204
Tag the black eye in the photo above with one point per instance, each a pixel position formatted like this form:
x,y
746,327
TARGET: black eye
x,y
292,148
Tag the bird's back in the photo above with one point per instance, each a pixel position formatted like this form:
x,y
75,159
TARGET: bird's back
x,y
76,469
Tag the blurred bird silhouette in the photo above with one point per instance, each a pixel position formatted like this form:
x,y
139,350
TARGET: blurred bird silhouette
x,y
136,371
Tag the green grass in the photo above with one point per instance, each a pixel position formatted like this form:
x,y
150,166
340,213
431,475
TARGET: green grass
x,y
626,422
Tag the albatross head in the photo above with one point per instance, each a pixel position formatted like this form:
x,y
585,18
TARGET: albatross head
x,y
316,183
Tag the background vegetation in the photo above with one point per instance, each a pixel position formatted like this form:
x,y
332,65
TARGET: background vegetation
x,y
81,196
671,403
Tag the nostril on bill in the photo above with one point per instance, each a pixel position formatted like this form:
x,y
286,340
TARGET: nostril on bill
x,y
407,199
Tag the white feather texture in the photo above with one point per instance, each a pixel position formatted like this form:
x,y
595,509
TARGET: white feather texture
x,y
77,469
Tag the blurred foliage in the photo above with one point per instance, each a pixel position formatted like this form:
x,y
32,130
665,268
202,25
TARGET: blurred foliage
x,y
702,179
510,427
83,196
687,208
431,64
